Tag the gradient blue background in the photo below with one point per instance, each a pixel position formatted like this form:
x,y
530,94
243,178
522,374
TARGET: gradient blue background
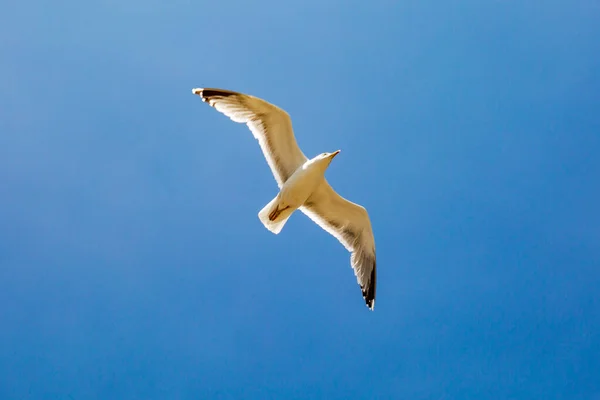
x,y
132,262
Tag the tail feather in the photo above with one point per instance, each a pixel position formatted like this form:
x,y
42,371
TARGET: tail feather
x,y
277,225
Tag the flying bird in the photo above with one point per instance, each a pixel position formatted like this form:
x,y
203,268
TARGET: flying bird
x,y
302,183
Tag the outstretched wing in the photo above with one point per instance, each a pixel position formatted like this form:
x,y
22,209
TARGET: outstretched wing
x,y
350,224
269,124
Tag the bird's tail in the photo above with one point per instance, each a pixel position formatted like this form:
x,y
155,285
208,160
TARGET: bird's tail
x,y
274,215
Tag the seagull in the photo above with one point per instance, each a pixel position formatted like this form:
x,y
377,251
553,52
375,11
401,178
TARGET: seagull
x,y
301,181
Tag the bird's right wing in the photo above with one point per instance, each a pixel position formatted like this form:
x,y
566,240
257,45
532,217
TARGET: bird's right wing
x,y
269,124
350,224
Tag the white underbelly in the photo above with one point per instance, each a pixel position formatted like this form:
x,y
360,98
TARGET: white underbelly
x,y
298,188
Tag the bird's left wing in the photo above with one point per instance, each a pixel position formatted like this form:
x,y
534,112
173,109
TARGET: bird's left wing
x,y
350,224
269,124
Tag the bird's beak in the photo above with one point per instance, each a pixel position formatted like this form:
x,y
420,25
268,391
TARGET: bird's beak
x,y
335,153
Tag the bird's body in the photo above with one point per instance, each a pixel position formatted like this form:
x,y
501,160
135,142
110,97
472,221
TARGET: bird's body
x,y
302,182
294,193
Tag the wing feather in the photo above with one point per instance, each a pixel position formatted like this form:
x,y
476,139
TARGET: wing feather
x,y
350,224
269,124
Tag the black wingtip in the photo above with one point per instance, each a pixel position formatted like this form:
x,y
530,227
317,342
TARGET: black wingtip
x,y
369,293
207,93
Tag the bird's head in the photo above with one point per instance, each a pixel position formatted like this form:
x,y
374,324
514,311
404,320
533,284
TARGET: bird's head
x,y
321,161
325,158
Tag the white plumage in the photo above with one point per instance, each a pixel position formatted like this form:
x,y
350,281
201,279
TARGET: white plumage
x,y
301,182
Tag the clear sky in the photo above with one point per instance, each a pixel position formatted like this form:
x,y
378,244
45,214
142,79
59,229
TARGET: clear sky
x,y
132,261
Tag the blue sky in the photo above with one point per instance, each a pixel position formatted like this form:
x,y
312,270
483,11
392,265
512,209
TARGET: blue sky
x,y
132,262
